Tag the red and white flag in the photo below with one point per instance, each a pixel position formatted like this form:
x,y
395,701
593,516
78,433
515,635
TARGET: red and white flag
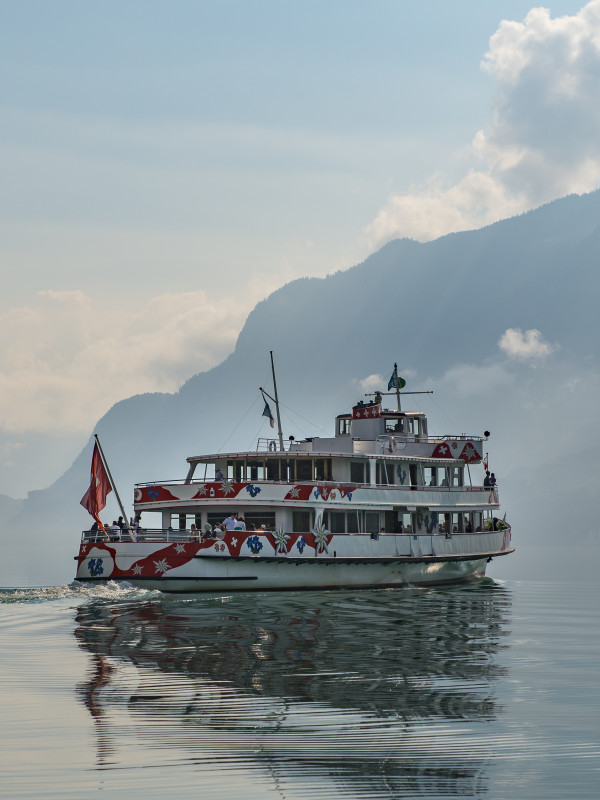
x,y
94,499
366,412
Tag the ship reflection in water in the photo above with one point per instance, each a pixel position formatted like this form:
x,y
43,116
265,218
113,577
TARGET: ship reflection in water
x,y
306,694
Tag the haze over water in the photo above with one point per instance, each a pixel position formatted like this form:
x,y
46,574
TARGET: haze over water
x,y
487,690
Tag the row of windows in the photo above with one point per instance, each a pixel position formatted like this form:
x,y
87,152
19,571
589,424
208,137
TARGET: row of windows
x,y
349,521
288,470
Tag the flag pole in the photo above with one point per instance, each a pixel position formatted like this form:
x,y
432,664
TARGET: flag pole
x,y
112,483
276,404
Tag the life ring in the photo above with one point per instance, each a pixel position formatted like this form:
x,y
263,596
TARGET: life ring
x,y
272,447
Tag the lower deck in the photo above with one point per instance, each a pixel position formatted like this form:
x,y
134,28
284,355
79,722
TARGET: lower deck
x,y
251,560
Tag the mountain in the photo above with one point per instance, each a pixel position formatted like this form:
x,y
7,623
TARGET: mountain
x,y
439,310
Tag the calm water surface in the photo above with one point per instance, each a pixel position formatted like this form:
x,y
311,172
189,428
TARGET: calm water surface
x,y
489,690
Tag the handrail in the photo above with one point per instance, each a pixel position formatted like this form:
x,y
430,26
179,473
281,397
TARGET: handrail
x,y
153,535
334,485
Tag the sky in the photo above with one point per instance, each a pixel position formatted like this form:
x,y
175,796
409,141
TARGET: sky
x,y
165,166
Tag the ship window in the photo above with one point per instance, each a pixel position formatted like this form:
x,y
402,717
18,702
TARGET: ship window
x,y
235,471
301,521
323,469
385,472
256,471
394,425
430,476
254,520
272,469
344,426
414,475
337,522
304,469
456,476
372,521
357,471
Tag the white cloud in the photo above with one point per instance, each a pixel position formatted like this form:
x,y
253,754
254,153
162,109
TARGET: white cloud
x,y
69,361
543,140
525,346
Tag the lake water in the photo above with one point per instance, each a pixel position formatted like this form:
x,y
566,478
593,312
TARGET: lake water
x,y
488,690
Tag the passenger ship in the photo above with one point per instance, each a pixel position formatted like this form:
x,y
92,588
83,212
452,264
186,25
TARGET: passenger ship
x,y
380,504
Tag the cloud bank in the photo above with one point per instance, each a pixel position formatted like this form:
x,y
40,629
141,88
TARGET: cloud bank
x,y
543,140
69,362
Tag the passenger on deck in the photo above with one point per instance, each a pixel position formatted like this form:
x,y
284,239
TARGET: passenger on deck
x,y
240,524
219,475
229,522
194,534
492,480
468,527
486,480
115,532
220,531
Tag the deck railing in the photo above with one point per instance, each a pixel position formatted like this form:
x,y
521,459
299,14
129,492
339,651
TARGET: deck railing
x,y
154,535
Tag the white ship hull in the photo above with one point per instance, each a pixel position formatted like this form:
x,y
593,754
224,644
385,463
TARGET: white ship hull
x,y
340,561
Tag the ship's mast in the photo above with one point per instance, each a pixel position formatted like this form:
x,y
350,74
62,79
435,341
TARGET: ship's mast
x,y
276,404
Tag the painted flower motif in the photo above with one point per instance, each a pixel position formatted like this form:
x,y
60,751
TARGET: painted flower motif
x,y
153,494
470,453
202,490
161,566
301,544
281,540
320,533
252,490
317,493
95,567
137,569
234,542
227,488
180,548
255,544
294,493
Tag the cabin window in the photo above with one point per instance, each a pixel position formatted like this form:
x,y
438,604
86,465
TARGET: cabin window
x,y
372,521
385,472
430,476
323,469
255,519
456,476
357,471
272,469
255,471
414,475
235,471
337,522
413,425
301,521
394,425
304,469
457,523
344,426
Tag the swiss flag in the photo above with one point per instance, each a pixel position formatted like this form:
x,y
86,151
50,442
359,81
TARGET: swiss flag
x,y
94,499
442,450
366,412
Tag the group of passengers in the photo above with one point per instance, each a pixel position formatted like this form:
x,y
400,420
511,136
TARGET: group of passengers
x,y
234,522
119,529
